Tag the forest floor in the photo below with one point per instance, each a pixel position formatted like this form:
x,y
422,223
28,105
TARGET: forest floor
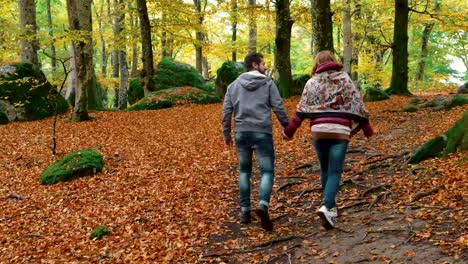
x,y
168,193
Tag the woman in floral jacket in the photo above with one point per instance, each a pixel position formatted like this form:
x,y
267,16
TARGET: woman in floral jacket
x,y
336,112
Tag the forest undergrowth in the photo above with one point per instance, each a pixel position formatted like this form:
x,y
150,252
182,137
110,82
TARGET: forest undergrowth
x,y
168,193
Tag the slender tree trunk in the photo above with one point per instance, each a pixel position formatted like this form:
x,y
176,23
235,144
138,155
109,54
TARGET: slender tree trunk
x,y
72,80
134,72
347,37
115,31
100,15
79,19
252,26
29,44
284,24
53,53
123,87
322,32
147,56
424,43
234,14
206,68
200,37
399,81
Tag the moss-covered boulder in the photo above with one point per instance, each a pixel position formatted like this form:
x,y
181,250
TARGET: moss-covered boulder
x,y
225,75
373,94
135,91
28,90
175,96
73,165
410,108
463,89
457,100
3,118
455,138
299,81
175,74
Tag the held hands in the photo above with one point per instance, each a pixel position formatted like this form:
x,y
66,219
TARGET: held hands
x,y
285,137
228,142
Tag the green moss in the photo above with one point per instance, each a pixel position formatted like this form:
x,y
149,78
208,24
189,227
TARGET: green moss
x,y
299,81
410,109
147,104
174,74
99,232
30,89
226,74
457,101
373,94
135,91
430,149
3,118
75,164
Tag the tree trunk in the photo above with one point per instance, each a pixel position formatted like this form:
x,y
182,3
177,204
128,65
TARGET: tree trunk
x,y
424,42
455,138
72,82
234,29
322,33
147,56
347,37
99,15
252,26
284,24
399,81
123,87
115,31
134,25
29,44
79,19
53,53
200,37
123,66
206,69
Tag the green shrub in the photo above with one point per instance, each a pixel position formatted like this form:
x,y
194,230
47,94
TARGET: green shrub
x,y
75,164
99,232
299,81
174,74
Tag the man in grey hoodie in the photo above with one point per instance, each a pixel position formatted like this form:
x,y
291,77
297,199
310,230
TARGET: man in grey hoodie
x,y
250,98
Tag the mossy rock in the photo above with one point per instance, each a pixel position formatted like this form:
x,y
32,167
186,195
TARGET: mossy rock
x,y
150,104
225,75
463,89
3,118
175,96
73,165
410,109
373,94
456,101
299,81
175,74
99,232
135,91
29,91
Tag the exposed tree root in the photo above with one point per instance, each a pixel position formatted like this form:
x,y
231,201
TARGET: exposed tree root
x,y
420,195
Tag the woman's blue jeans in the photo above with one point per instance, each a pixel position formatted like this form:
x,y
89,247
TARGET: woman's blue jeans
x,y
331,155
262,143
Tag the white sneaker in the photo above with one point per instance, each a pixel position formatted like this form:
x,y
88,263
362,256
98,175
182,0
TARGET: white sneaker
x,y
327,217
334,213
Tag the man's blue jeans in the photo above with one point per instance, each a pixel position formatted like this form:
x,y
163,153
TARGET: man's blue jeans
x,y
331,154
262,143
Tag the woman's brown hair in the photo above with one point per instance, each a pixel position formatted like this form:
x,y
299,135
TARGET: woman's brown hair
x,y
322,57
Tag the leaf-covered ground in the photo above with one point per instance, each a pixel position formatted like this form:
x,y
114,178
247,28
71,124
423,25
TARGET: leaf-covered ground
x,y
168,193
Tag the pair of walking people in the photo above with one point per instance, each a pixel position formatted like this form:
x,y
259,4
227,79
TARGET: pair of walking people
x,y
329,100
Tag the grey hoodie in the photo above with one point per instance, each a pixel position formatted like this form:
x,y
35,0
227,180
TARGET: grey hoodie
x,y
251,97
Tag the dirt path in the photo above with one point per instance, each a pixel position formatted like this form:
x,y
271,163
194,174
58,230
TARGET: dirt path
x,y
375,224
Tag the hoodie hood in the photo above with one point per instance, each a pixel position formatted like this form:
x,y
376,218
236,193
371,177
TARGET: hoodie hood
x,y
252,80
